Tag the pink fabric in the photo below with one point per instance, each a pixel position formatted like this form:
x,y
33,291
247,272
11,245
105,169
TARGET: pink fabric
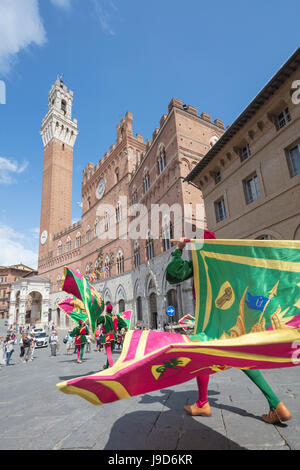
x,y
78,353
202,382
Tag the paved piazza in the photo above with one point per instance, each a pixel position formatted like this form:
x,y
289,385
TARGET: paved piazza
x,y
34,415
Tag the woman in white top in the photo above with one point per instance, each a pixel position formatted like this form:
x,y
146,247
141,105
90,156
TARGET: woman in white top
x,y
9,348
2,354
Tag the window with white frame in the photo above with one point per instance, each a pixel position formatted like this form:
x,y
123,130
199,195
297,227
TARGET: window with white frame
x,y
78,240
251,188
106,222
137,259
139,309
217,176
88,234
161,161
293,155
220,210
283,118
59,249
146,182
149,249
118,212
167,235
245,152
134,197
120,262
68,244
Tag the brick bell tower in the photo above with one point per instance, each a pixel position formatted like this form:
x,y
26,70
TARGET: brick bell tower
x,y
59,134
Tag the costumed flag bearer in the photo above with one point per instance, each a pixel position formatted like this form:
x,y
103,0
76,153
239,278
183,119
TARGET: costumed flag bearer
x,y
80,333
178,271
110,325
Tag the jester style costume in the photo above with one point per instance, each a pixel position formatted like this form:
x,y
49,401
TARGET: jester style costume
x,y
80,332
111,324
180,270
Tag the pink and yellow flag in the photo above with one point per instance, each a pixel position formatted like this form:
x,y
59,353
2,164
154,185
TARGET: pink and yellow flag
x,y
247,316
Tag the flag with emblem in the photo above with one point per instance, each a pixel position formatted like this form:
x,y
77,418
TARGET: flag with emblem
x,y
92,302
74,309
247,316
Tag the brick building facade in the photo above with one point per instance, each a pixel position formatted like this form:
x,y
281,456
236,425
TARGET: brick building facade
x,y
130,272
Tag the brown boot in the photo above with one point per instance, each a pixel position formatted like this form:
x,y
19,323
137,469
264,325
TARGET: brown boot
x,y
194,410
279,415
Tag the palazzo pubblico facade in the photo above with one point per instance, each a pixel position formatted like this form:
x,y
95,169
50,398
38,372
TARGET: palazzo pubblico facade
x,y
130,272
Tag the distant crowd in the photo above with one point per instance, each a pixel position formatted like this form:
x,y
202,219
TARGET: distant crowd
x,y
22,341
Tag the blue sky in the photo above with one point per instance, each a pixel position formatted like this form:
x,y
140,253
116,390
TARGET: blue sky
x,y
116,56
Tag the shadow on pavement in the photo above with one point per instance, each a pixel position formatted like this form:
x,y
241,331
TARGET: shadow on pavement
x,y
168,430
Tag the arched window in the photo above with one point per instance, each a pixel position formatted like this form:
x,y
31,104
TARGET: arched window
x,y
118,212
121,305
137,260
78,240
139,309
97,228
149,248
88,234
106,221
167,235
58,282
68,244
134,197
120,262
161,160
146,181
59,248
107,267
117,175
64,106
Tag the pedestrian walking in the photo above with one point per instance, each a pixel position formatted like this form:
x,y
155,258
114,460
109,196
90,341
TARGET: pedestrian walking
x,y
88,343
22,350
53,340
26,345
2,352
9,348
32,346
69,343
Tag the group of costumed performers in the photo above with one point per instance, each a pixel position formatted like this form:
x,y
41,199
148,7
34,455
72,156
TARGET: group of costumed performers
x,y
111,325
178,271
87,306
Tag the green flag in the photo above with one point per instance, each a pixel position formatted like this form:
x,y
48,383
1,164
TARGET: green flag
x,y
245,286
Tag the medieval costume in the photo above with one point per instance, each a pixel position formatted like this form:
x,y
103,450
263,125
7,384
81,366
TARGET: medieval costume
x,y
80,333
110,324
178,271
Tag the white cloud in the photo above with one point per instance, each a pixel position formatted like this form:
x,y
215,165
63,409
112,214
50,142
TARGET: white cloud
x,y
20,27
102,12
8,168
62,3
16,248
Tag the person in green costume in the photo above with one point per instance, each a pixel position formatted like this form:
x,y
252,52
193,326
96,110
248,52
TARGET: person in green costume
x,y
111,324
80,333
178,271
